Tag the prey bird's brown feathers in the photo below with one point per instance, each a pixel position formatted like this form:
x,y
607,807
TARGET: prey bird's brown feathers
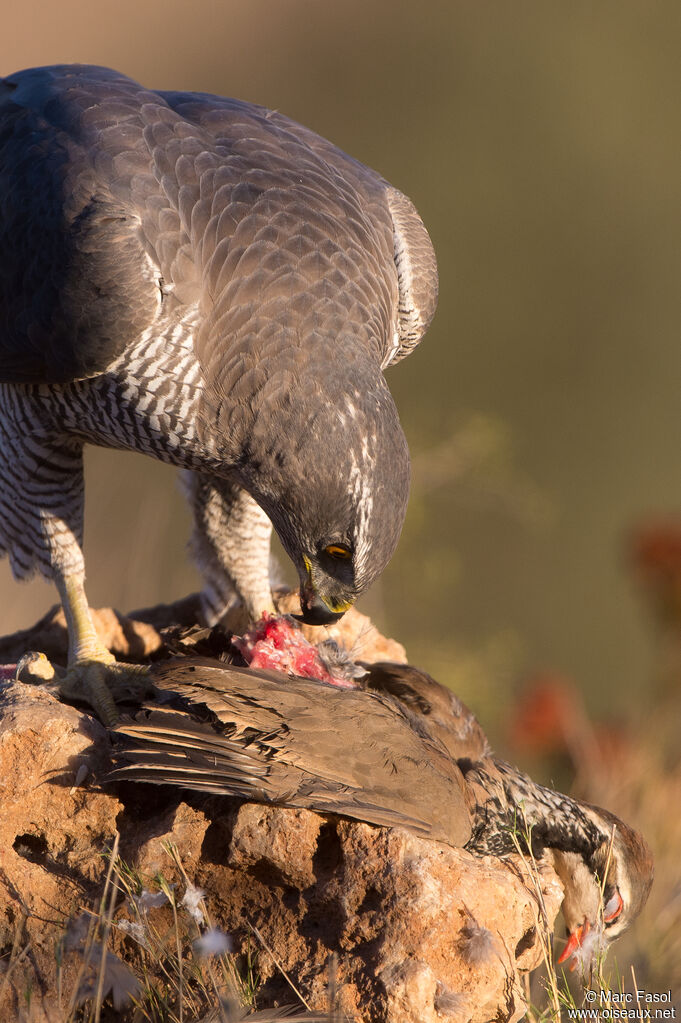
x,y
296,742
402,752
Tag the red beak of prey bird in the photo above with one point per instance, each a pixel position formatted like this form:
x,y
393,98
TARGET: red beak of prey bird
x,y
207,282
400,751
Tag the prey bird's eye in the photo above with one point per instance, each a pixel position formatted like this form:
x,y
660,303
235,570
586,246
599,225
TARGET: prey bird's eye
x,y
338,552
613,908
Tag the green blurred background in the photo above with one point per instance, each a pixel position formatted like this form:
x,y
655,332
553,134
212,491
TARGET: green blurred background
x,y
539,141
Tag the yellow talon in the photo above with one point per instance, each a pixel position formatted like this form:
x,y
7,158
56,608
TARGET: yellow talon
x,y
93,674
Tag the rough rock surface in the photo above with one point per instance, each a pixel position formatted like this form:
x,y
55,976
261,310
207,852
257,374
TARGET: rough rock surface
x,y
355,631
423,932
127,638
52,834
136,636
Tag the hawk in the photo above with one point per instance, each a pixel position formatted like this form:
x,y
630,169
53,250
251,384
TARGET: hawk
x,y
205,281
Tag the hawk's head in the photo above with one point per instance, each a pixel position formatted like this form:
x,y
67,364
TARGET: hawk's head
x,y
333,476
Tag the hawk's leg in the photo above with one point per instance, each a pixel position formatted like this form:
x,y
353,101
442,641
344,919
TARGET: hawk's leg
x,y
41,528
93,673
88,657
231,547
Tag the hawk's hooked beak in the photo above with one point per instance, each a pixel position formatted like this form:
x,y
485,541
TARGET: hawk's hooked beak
x,y
319,608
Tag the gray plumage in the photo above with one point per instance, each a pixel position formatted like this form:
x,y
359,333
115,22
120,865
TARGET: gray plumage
x,y
210,283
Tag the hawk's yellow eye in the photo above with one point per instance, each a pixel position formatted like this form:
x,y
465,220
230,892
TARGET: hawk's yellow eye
x,y
334,550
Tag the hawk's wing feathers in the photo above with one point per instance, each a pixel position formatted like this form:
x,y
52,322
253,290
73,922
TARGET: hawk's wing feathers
x,y
396,227
110,192
76,287
416,275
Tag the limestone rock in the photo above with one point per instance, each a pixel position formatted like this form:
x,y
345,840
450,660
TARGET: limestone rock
x,y
422,931
355,631
127,638
137,636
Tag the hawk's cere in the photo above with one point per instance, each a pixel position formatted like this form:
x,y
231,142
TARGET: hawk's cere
x,y
206,281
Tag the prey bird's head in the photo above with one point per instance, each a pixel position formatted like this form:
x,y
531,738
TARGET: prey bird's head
x,y
605,892
334,481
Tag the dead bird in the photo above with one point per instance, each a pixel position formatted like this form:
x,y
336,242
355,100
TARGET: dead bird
x,y
404,751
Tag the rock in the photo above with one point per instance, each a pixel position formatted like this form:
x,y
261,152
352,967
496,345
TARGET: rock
x,y
52,832
137,636
282,842
354,631
127,638
422,931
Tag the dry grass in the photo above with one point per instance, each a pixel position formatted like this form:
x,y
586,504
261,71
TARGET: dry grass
x,y
547,992
639,778
150,953
642,784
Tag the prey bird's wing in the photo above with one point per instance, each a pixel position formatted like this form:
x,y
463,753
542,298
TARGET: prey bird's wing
x,y
439,710
295,742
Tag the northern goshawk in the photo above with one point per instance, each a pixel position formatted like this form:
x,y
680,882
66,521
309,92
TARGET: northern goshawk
x,y
208,282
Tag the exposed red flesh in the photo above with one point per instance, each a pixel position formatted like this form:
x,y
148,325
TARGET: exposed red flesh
x,y
277,644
